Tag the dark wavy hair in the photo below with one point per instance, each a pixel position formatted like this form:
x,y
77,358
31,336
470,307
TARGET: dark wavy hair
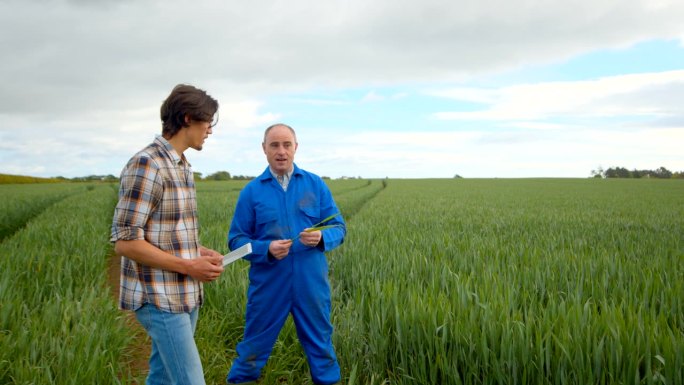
x,y
186,100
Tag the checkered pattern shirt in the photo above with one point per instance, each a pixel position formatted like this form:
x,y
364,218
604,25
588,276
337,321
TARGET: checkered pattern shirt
x,y
157,203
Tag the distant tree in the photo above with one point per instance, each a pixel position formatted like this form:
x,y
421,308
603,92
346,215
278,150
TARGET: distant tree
x,y
456,176
94,178
197,175
621,172
219,175
617,172
662,172
598,173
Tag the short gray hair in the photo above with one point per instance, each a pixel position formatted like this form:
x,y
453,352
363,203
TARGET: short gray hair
x,y
280,125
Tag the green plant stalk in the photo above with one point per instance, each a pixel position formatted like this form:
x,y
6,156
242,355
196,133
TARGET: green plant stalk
x,y
325,220
319,226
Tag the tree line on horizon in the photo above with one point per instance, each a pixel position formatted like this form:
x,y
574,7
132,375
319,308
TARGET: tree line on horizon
x,y
612,172
217,176
9,178
621,172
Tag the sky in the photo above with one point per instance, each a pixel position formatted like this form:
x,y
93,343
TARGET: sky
x,y
374,89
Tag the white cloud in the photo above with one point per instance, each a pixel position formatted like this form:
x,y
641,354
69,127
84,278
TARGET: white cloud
x,y
469,94
319,102
610,96
122,53
563,152
244,115
372,96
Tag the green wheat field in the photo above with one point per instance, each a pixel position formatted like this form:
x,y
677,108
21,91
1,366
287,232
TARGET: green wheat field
x,y
439,281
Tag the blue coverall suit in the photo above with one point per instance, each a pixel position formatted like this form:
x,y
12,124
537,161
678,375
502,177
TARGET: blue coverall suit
x,y
297,284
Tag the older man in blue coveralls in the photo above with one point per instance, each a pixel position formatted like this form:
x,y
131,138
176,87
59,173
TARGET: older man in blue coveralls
x,y
289,271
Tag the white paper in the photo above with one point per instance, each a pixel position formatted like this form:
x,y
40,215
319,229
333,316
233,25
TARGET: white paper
x,y
237,254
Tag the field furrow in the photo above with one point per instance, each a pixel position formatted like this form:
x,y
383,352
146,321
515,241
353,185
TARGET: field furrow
x,y
20,203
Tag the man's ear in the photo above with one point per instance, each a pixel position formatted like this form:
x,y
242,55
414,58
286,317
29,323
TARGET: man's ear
x,y
187,120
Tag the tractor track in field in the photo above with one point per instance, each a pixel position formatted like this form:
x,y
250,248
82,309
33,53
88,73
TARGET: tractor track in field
x,y
7,230
352,201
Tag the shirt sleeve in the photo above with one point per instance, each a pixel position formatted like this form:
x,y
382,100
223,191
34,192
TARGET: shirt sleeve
x,y
139,194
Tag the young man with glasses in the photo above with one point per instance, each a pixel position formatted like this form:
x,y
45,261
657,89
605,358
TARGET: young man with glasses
x,y
155,231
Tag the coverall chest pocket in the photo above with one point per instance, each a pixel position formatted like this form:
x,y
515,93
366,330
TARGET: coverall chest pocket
x,y
312,213
268,226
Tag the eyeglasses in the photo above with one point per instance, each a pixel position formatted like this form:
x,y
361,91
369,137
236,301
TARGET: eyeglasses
x,y
214,122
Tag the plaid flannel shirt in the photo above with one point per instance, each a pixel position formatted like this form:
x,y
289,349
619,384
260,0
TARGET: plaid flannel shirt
x,y
157,203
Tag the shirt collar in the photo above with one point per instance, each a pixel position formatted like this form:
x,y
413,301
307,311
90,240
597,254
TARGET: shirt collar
x,y
267,174
288,174
161,141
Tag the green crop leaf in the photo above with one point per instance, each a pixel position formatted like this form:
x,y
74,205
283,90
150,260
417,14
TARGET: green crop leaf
x,y
325,220
320,226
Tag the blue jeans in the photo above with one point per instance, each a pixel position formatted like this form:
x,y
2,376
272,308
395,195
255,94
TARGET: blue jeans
x,y
174,358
